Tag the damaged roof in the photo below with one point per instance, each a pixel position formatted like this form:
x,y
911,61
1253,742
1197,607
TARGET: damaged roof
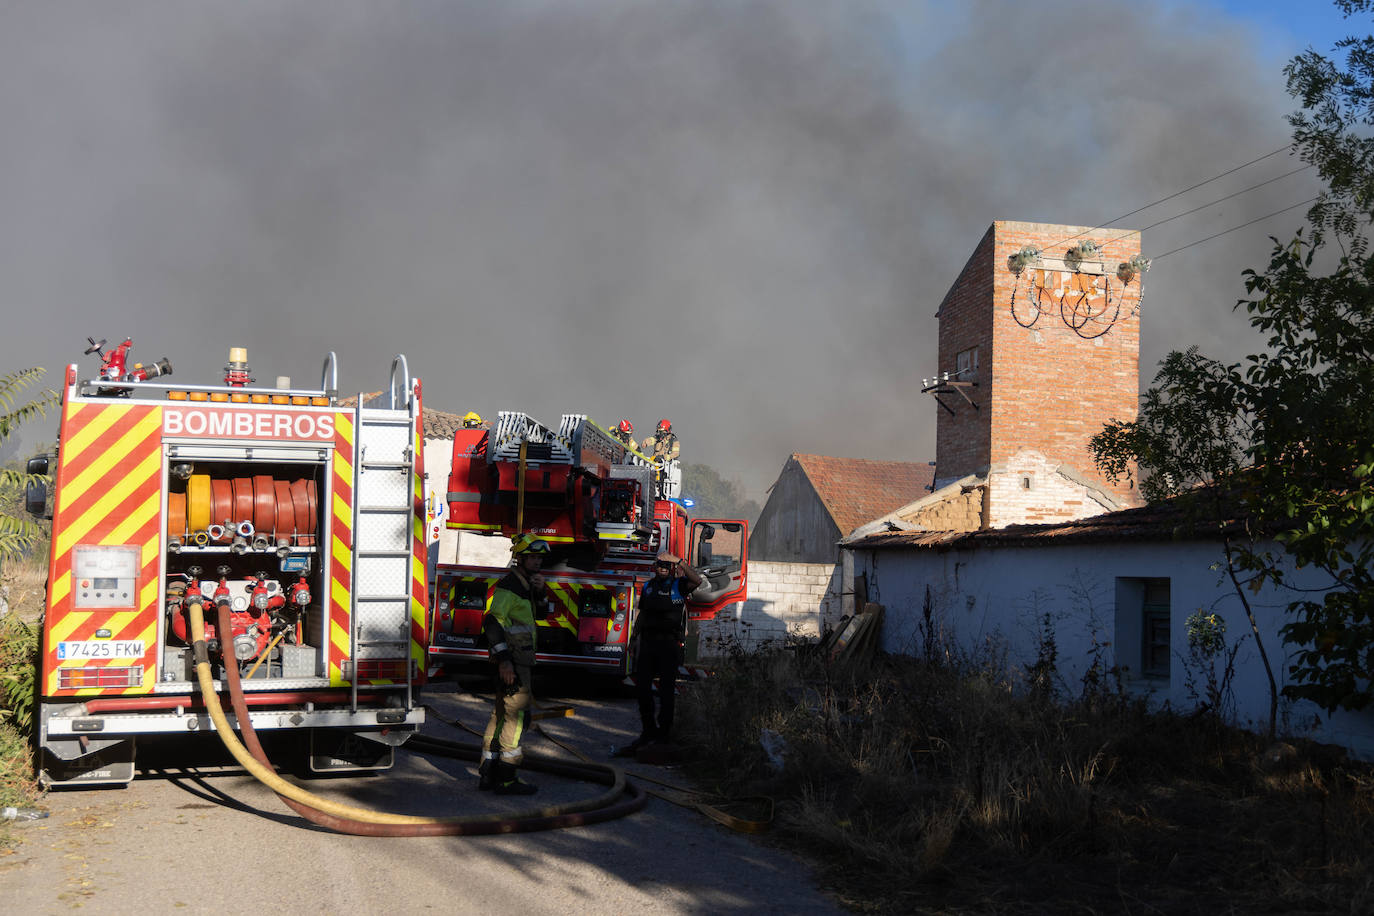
x,y
1172,520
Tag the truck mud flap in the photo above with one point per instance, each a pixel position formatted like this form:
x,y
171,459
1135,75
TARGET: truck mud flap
x,y
112,764
338,751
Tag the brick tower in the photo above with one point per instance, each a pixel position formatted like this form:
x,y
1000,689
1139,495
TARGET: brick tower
x,y
1039,352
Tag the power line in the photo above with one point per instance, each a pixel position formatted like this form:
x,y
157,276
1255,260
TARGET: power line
x,y
1234,228
1230,171
1220,200
1199,184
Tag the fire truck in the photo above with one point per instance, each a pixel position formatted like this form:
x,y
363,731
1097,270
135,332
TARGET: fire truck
x,y
606,510
298,513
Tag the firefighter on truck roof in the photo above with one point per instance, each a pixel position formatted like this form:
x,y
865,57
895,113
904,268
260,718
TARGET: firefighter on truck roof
x,y
624,433
662,446
509,625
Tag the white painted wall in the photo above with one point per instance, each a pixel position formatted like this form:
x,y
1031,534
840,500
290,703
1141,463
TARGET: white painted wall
x,y
784,598
997,595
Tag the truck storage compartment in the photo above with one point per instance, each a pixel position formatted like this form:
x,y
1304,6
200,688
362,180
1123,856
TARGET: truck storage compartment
x,y
246,534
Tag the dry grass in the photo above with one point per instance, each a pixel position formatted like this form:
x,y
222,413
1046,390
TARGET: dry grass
x,y
25,585
943,789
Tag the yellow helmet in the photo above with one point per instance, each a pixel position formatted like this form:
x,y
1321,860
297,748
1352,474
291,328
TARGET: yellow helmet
x,y
523,544
472,419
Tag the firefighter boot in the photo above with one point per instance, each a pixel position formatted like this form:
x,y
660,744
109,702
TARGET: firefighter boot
x,y
487,777
508,781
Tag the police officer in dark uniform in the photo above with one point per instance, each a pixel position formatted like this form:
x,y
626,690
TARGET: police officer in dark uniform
x,y
659,630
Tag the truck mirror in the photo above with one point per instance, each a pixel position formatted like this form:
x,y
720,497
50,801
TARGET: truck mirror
x,y
36,499
36,494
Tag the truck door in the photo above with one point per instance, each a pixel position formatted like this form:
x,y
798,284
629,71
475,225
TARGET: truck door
x,y
719,549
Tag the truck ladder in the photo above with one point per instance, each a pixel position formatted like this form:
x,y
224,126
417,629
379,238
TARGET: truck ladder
x,y
383,528
543,444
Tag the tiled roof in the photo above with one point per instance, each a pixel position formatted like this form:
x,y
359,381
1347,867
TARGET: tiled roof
x,y
438,424
1168,520
858,490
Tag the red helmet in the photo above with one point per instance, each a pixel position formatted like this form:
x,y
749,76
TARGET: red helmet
x,y
664,426
625,426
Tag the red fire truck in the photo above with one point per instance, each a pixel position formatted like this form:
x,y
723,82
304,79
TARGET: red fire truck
x,y
605,510
300,515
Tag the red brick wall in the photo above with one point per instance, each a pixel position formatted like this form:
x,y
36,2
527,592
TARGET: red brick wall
x,y
1043,387
963,440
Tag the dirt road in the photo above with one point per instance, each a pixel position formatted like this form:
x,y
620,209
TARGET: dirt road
x,y
206,839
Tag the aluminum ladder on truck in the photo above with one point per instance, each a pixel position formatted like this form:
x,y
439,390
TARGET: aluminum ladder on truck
x,y
383,528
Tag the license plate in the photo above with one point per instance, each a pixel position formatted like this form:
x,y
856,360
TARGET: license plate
x,y
101,648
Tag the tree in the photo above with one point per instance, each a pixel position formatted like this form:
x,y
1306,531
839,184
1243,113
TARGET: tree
x,y
715,496
1288,433
17,533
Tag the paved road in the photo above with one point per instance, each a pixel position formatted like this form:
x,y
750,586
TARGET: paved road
x,y
206,839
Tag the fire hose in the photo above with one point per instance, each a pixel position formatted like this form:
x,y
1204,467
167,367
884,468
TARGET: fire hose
x,y
359,821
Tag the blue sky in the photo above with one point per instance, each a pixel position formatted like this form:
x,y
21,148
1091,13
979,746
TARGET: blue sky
x,y
1289,25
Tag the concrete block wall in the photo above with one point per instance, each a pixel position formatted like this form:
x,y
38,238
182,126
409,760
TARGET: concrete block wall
x,y
784,599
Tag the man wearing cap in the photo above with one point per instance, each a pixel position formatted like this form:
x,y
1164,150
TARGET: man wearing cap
x,y
659,629
509,624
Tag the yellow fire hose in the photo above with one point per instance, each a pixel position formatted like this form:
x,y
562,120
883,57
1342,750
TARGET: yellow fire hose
x,y
675,794
353,819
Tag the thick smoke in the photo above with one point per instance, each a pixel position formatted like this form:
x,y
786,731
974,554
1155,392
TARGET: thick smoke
x,y
739,216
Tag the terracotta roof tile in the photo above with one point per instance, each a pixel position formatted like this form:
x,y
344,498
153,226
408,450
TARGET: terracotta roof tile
x,y
858,490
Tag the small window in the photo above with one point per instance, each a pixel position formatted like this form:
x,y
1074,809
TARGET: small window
x,y
1027,482
1154,661
966,364
1144,627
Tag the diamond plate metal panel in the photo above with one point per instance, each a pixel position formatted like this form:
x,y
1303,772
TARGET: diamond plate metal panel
x,y
384,444
378,487
383,531
377,576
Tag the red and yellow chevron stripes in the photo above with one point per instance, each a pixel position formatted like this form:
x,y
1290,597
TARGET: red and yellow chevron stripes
x,y
419,553
107,492
565,602
340,516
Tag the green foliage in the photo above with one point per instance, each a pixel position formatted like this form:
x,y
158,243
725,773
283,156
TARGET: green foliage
x,y
1289,432
1191,429
18,667
19,533
1206,634
715,496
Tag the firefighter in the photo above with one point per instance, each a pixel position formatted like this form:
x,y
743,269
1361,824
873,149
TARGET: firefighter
x,y
472,420
662,446
659,631
625,432
509,625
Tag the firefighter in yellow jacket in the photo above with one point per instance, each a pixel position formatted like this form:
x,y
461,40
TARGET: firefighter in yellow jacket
x,y
509,624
